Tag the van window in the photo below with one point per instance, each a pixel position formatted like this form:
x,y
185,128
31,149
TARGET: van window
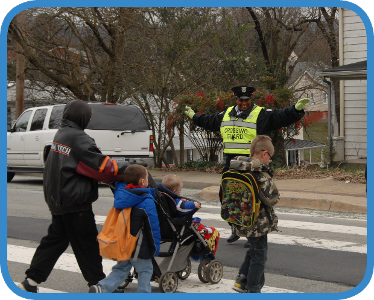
x,y
56,115
23,121
38,119
117,117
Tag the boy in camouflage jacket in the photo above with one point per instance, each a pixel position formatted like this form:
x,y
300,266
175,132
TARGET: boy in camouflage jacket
x,y
251,276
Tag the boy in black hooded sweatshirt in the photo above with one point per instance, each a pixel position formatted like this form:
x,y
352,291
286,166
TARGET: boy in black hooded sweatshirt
x,y
72,171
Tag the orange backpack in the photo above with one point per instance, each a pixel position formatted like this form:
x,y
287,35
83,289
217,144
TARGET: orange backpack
x,y
115,239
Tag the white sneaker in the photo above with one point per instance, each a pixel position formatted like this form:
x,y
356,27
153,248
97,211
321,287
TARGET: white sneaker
x,y
95,289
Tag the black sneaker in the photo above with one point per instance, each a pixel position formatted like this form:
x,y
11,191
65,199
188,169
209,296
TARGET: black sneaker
x,y
25,285
95,289
240,283
249,291
233,238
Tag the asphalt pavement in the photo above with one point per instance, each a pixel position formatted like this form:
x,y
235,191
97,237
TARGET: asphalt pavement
x,y
319,194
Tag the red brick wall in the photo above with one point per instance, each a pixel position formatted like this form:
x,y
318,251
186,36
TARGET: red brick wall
x,y
315,116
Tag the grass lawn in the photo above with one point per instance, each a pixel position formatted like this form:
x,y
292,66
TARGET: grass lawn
x,y
317,132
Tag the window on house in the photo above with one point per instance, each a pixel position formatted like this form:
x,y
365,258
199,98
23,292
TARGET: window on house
x,y
312,98
324,98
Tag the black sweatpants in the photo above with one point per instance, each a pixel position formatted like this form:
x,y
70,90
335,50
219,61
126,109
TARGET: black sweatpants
x,y
78,229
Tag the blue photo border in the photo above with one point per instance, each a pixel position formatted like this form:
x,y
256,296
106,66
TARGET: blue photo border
x,y
206,3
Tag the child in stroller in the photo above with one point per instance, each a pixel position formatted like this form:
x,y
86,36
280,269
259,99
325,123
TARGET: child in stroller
x,y
183,237
172,186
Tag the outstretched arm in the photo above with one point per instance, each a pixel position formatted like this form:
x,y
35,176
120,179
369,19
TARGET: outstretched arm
x,y
269,120
93,164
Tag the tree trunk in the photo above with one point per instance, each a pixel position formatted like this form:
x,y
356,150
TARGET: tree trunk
x,y
20,70
181,143
174,153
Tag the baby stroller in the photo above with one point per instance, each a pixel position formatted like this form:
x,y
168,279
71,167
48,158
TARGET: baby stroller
x,y
179,241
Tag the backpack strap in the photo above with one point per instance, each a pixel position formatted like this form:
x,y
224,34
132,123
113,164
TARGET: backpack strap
x,y
138,245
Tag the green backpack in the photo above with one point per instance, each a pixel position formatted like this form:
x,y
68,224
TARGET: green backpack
x,y
240,198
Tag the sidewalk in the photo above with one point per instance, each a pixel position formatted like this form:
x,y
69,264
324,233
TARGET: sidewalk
x,y
320,194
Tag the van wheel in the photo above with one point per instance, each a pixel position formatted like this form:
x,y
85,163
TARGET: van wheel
x,y
10,176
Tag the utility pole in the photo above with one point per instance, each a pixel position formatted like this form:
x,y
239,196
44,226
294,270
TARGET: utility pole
x,y
20,69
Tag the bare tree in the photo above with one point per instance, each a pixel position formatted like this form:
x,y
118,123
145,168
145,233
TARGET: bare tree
x,y
80,49
311,32
182,55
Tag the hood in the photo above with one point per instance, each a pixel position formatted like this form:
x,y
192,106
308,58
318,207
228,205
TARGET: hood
x,y
78,112
130,197
245,163
164,189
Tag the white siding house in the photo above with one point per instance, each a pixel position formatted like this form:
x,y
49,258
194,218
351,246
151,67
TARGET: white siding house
x,y
350,143
353,48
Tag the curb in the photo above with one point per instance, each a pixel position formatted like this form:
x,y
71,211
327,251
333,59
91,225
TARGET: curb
x,y
211,194
326,205
190,184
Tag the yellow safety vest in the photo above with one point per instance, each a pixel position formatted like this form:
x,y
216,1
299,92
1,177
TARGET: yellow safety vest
x,y
237,133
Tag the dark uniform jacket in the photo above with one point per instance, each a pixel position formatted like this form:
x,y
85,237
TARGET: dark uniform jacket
x,y
267,120
73,168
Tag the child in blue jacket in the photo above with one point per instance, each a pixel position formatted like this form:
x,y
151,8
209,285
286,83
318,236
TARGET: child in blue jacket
x,y
133,192
172,185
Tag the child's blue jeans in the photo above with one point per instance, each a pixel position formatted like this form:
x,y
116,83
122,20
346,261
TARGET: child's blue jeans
x,y
254,263
121,270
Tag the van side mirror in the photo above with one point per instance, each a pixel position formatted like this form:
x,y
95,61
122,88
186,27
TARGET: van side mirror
x,y
10,128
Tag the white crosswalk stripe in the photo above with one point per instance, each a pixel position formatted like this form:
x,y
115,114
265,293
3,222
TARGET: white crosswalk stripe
x,y
300,225
67,262
283,239
45,290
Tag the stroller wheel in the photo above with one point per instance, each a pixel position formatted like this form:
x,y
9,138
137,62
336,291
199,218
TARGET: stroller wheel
x,y
214,271
186,272
202,270
168,282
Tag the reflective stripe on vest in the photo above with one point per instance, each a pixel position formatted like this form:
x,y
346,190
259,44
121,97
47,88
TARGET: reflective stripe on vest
x,y
237,146
237,133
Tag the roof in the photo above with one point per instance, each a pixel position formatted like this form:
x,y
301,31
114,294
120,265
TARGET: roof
x,y
354,71
39,92
301,144
311,78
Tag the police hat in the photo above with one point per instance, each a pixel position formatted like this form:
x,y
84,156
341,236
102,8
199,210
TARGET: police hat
x,y
243,92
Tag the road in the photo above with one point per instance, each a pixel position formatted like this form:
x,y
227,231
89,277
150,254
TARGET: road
x,y
315,252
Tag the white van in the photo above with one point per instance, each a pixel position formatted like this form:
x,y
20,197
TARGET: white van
x,y
120,131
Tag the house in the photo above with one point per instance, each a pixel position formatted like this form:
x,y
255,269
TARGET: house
x,y
304,83
190,151
350,142
306,86
36,93
68,53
